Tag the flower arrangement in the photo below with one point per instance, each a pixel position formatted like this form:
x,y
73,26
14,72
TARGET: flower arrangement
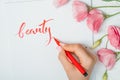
x,y
95,19
107,56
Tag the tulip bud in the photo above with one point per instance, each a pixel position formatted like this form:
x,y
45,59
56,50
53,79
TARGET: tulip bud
x,y
117,55
105,76
96,44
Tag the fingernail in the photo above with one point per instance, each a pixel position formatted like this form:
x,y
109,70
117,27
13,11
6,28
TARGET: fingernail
x,y
62,44
59,48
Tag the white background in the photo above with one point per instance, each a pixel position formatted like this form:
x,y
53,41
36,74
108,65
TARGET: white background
x,y
29,58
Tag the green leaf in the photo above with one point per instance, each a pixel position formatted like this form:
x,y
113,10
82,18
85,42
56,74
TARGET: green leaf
x,y
111,0
108,0
105,76
118,0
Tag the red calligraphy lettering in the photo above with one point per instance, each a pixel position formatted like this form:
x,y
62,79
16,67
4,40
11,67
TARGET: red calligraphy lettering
x,y
43,29
20,32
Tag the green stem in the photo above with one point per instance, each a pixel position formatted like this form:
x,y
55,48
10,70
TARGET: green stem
x,y
106,43
108,16
90,7
91,3
111,0
106,7
103,36
106,71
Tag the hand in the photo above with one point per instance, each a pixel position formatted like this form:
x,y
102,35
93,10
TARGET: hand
x,y
86,59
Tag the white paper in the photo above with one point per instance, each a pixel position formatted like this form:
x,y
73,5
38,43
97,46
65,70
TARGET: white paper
x,y
29,58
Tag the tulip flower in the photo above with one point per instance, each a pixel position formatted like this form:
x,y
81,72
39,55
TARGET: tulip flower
x,y
95,20
107,57
114,36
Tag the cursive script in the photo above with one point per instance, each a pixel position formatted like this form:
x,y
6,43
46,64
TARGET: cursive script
x,y
42,29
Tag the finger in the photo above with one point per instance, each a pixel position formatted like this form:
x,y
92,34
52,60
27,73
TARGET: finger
x,y
77,49
68,66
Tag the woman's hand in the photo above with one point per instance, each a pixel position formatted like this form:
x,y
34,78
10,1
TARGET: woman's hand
x,y
86,59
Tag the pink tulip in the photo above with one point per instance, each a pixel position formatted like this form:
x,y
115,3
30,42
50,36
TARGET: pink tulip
x,y
59,3
107,57
114,36
80,10
95,20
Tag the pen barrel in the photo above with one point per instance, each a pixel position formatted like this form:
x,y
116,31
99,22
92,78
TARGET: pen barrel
x,y
75,63
73,60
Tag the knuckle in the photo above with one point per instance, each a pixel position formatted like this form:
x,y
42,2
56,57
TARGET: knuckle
x,y
60,56
77,46
93,60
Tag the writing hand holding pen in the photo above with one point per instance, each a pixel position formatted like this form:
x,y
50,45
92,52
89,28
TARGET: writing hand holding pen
x,y
87,60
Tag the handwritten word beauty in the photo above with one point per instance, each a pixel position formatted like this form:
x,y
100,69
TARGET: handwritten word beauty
x,y
41,29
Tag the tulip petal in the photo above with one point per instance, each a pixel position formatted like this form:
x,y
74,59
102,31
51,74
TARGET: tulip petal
x,y
59,3
95,20
80,10
114,36
107,57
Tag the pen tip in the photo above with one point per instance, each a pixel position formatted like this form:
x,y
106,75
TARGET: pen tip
x,y
57,42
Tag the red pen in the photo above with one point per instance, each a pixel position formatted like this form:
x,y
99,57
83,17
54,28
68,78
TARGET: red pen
x,y
73,60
